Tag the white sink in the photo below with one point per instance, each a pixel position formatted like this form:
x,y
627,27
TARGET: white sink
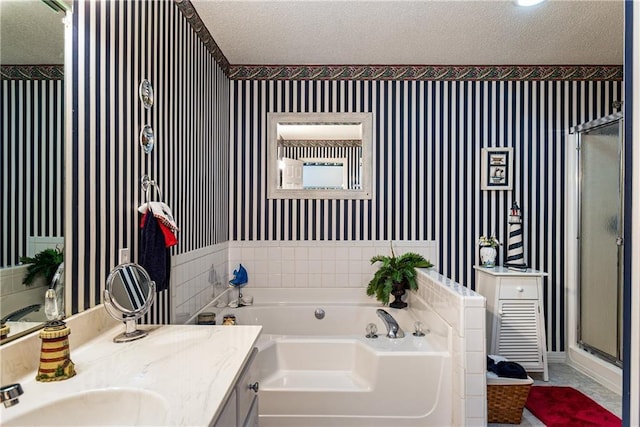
x,y
114,406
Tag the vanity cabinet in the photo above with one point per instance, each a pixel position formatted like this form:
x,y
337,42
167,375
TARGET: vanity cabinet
x,y
241,407
515,315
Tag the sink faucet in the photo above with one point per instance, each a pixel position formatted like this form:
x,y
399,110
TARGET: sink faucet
x,y
393,329
9,394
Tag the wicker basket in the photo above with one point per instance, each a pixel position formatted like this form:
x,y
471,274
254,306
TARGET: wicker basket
x,y
505,402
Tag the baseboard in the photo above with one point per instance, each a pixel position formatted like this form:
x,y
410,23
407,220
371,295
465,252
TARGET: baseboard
x,y
556,357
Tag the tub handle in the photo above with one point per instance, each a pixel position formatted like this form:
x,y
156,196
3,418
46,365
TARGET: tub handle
x,y
255,386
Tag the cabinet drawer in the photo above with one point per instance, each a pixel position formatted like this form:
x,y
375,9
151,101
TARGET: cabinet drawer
x,y
519,289
244,393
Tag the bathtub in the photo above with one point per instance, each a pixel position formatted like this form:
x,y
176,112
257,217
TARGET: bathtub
x,y
325,372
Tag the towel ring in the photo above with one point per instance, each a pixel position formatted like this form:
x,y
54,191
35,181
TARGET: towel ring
x,y
147,183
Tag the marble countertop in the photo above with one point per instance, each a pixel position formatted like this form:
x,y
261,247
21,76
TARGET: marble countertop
x,y
191,367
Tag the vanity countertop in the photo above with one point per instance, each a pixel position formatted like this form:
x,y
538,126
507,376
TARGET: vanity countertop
x,y
191,367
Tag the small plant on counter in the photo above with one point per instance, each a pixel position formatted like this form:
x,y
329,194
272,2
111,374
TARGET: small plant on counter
x,y
44,264
395,275
491,241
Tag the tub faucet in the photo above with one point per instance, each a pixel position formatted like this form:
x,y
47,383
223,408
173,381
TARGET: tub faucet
x,y
393,329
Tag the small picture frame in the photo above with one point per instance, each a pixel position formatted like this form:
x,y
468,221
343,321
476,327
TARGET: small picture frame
x,y
497,169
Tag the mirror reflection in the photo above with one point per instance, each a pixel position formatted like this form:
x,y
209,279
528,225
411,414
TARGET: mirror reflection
x,y
128,295
319,155
32,92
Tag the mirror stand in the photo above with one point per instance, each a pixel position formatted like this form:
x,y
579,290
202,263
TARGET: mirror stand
x,y
131,331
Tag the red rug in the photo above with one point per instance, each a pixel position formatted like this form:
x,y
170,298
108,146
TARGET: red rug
x,y
566,406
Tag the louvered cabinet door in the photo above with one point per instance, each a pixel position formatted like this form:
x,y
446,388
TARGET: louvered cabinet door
x,y
515,315
518,335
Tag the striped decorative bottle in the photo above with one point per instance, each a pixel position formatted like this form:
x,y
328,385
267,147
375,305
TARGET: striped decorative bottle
x,y
55,361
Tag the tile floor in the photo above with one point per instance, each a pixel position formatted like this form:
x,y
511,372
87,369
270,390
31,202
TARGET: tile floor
x,y
565,375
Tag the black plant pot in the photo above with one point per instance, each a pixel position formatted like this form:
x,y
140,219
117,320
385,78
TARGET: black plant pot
x,y
398,291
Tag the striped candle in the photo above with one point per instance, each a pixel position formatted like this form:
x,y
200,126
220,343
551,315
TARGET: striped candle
x,y
515,248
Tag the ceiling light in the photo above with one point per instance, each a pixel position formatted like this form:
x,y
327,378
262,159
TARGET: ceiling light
x,y
527,3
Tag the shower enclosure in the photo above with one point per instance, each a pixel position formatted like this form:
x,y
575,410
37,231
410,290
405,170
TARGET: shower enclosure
x,y
600,231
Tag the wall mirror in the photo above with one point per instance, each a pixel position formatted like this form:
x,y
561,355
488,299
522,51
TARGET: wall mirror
x,y
319,155
33,92
128,295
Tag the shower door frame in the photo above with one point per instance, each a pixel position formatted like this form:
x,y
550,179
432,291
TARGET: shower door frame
x,y
578,130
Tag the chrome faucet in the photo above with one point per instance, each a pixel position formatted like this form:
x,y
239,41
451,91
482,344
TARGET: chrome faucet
x,y
393,329
9,394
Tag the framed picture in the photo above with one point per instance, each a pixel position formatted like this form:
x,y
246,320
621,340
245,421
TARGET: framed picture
x,y
497,169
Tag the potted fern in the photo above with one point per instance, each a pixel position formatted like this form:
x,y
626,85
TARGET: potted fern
x,y
395,275
44,264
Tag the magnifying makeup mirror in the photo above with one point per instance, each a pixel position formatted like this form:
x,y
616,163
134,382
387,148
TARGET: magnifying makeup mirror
x,y
129,294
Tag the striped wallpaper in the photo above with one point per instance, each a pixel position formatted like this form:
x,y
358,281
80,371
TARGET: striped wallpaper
x,y
427,136
115,45
31,164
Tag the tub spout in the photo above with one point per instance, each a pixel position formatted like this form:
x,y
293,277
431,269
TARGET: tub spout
x,y
393,329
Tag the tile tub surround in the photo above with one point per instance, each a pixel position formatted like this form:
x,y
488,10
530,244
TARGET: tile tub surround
x,y
317,263
14,294
464,311
197,277
167,362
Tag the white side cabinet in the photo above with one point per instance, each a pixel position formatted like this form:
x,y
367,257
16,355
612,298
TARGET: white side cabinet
x,y
515,315
241,407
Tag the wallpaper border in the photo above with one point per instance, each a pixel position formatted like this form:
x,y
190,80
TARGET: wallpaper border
x,y
201,30
32,72
426,72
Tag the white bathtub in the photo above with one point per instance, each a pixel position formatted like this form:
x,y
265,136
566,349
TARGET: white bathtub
x,y
324,372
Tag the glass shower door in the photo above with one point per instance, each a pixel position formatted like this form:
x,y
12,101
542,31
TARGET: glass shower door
x,y
601,195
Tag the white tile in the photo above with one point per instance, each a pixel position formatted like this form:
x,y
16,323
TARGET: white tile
x,y
355,253
329,266
275,253
475,341
475,362
355,280
315,280
302,267
302,253
355,266
315,253
300,281
341,252
275,267
247,254
342,281
287,253
475,318
475,407
314,267
328,253
288,267
289,280
260,267
261,253
329,281
342,265
475,385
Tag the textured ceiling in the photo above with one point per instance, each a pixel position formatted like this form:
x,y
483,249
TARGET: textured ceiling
x,y
415,32
401,32
30,33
